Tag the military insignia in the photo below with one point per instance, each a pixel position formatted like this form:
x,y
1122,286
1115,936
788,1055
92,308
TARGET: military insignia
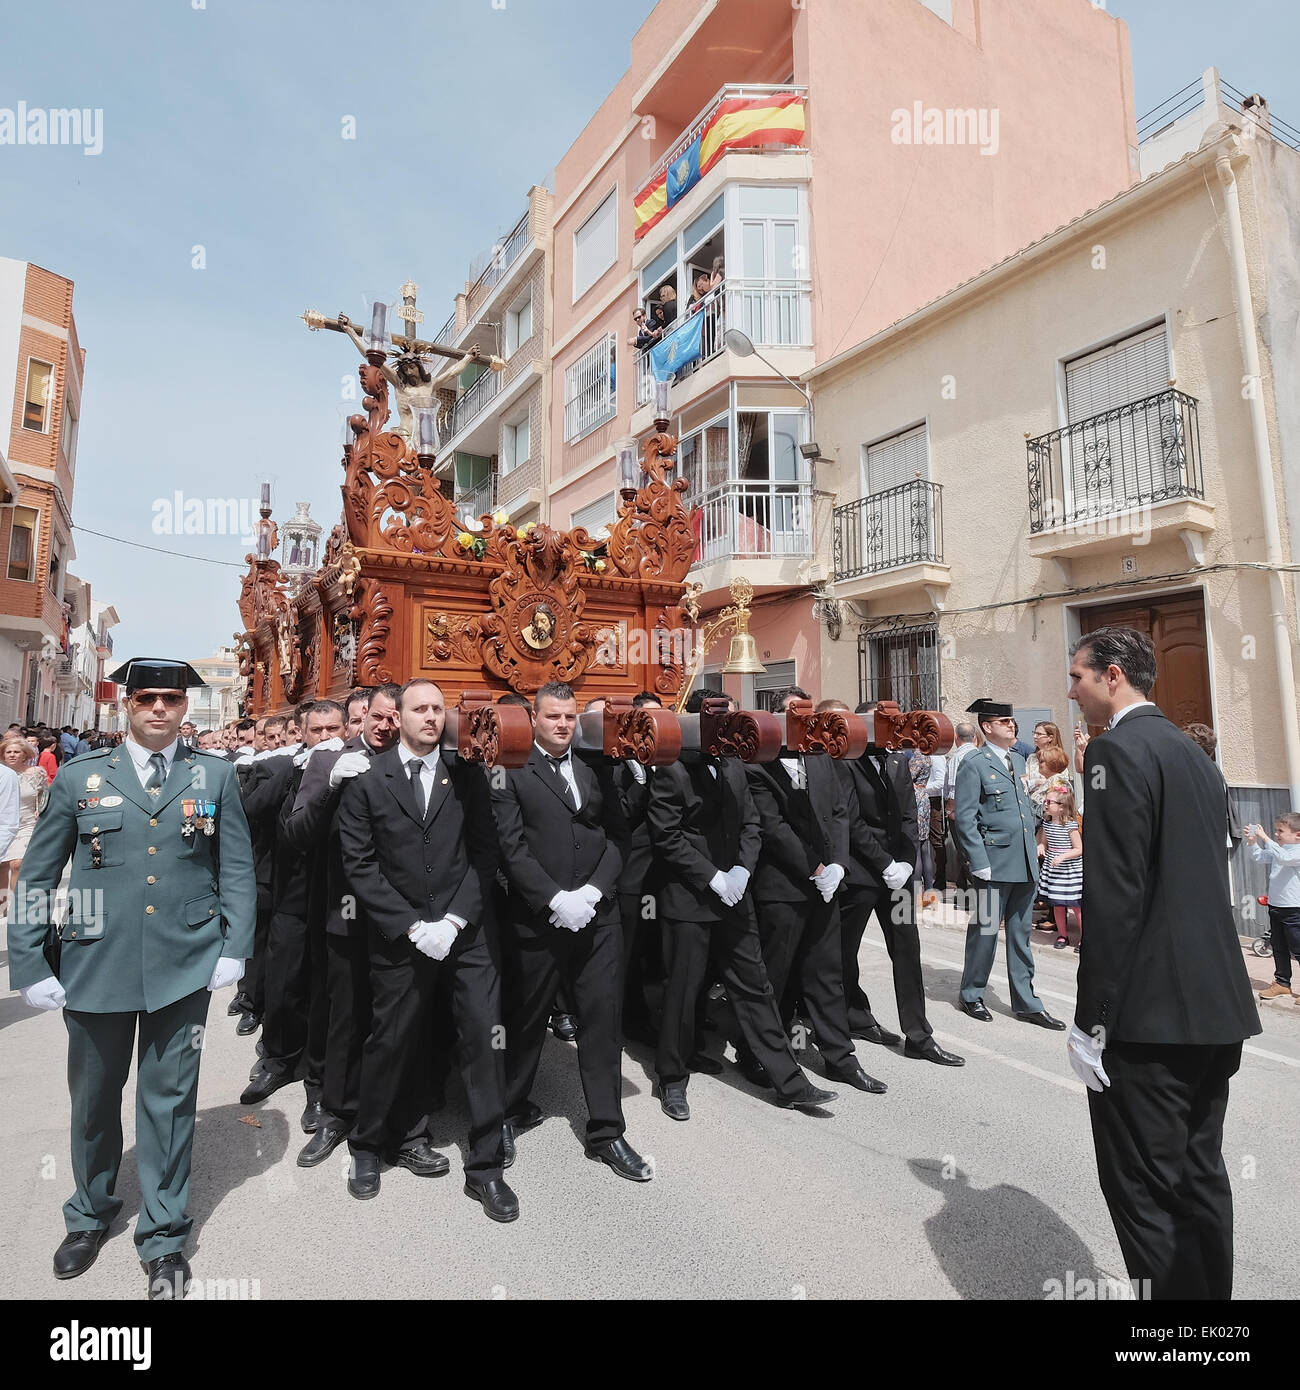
x,y
187,810
93,782
81,804
110,800
96,853
92,802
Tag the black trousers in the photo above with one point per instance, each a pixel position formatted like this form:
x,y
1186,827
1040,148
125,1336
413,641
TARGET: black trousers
x,y
1284,927
938,846
896,914
732,944
287,993
589,963
802,955
251,994
397,1059
637,934
347,987
1158,1133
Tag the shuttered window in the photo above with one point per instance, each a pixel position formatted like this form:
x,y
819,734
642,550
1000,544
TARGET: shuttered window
x,y
894,461
595,246
595,516
1119,374
589,390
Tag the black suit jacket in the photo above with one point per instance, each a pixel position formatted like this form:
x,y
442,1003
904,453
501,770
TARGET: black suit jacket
x,y
787,863
405,868
682,815
262,788
548,847
882,817
1161,962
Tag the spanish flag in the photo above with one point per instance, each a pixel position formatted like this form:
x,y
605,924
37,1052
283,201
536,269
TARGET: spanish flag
x,y
742,122
650,205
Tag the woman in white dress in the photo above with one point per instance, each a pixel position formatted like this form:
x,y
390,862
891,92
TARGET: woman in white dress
x,y
33,788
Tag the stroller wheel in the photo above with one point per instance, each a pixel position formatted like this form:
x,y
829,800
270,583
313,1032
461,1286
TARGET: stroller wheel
x,y
1262,946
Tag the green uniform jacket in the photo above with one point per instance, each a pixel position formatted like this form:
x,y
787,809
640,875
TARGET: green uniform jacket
x,y
148,925
993,817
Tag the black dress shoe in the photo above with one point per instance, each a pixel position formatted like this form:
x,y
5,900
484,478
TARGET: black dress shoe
x,y
507,1144
78,1252
705,1065
236,1006
753,1070
312,1116
248,1023
977,1010
1044,1020
564,1028
810,1098
623,1159
422,1159
855,1076
930,1051
363,1176
672,1101
324,1141
876,1034
528,1116
169,1277
498,1200
264,1084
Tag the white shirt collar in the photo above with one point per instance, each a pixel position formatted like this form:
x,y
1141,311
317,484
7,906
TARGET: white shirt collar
x,y
140,755
407,756
560,758
1119,714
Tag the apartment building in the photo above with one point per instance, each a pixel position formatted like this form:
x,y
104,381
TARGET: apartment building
x,y
795,146
216,703
40,603
1104,428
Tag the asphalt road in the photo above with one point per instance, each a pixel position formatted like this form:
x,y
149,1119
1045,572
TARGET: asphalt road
x,y
968,1183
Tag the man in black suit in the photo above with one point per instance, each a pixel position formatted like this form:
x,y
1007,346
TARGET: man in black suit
x,y
706,839
882,866
563,926
312,827
419,851
294,1021
1164,1000
805,829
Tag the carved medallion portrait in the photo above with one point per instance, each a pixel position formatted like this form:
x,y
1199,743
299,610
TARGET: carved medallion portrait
x,y
539,632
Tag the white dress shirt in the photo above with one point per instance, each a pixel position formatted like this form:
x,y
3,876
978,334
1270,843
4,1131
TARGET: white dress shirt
x,y
953,762
566,771
430,763
798,773
1119,714
140,756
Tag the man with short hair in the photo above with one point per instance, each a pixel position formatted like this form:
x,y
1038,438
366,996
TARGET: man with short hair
x,y
207,741
996,827
1164,1001
356,705
563,924
189,735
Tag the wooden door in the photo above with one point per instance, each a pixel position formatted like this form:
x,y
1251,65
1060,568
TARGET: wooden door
x,y
1176,627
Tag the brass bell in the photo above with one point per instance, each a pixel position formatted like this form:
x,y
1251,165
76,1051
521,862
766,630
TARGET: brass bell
x,y
742,659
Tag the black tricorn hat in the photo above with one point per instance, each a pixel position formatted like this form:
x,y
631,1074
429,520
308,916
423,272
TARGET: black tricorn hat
x,y
156,673
984,708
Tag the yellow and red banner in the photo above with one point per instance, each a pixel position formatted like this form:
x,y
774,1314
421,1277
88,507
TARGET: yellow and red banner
x,y
738,123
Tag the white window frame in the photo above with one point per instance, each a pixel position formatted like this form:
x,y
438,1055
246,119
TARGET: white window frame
x,y
68,434
49,395
36,543
585,407
608,206
513,339
510,459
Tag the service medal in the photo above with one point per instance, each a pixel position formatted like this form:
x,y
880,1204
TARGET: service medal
x,y
93,781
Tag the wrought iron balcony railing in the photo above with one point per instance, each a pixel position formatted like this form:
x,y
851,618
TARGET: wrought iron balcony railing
x,y
469,403
478,501
1132,456
902,525
753,520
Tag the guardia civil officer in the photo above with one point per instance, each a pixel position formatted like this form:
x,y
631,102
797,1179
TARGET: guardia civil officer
x,y
162,906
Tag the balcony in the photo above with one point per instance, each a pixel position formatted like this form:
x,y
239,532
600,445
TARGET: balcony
x,y
469,403
516,243
767,526
891,541
1108,482
774,313
478,501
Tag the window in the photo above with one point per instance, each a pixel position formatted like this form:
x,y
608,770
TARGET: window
x,y
516,445
595,516
595,246
1123,372
56,566
22,543
894,461
68,436
779,676
36,403
902,665
589,390
519,323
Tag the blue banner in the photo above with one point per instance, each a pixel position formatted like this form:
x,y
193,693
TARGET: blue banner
x,y
679,348
684,171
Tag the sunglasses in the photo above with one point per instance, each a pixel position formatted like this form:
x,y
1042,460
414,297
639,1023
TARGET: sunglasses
x,y
146,699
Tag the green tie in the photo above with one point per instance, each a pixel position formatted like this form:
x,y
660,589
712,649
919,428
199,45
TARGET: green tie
x,y
157,773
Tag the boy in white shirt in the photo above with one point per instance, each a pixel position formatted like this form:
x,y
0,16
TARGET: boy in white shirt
x,y
1283,860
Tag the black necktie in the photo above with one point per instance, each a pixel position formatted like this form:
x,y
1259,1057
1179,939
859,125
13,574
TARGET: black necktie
x,y
157,773
415,767
565,790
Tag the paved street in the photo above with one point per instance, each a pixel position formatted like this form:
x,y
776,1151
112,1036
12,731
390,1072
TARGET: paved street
x,y
970,1183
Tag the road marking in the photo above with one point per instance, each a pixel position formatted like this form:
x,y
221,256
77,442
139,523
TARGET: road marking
x,y
1000,979
1064,1082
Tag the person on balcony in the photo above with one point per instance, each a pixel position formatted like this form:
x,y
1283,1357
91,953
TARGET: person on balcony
x,y
647,335
666,310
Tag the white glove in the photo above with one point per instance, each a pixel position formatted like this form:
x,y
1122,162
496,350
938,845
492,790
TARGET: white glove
x,y
1085,1057
726,888
896,874
635,769
592,894
571,910
985,874
738,877
349,765
828,879
45,994
227,971
434,939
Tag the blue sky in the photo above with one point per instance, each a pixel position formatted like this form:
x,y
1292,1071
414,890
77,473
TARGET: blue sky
x,y
222,129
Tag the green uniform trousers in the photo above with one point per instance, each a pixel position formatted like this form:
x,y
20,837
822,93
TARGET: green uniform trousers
x,y
166,1095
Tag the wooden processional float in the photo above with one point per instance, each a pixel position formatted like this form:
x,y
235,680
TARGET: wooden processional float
x,y
405,589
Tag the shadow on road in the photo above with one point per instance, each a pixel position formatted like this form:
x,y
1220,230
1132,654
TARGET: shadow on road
x,y
998,1242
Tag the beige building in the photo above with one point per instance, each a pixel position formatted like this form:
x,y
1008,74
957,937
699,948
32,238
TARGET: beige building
x,y
216,703
1102,428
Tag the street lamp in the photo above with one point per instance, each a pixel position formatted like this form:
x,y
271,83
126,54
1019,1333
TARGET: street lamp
x,y
743,346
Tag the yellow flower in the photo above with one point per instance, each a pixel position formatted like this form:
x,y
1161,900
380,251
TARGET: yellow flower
x,y
500,518
600,565
526,528
464,540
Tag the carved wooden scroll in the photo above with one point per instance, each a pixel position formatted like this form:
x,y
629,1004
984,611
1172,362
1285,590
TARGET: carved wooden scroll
x,y
753,736
652,736
495,735
926,730
835,731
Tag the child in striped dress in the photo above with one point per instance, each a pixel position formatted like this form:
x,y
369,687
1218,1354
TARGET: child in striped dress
x,y
1060,847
